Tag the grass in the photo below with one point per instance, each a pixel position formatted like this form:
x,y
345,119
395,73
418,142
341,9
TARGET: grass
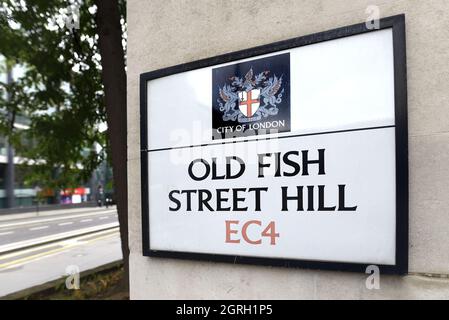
x,y
103,285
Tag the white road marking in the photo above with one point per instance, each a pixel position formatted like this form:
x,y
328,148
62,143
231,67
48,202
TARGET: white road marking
x,y
86,220
38,228
63,242
55,237
16,224
64,223
5,233
102,218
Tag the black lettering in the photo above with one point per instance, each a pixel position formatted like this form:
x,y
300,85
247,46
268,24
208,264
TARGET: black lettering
x,y
189,198
295,165
306,162
263,165
341,199
277,164
321,205
257,196
310,198
206,166
228,168
173,199
204,201
214,171
298,197
221,199
236,199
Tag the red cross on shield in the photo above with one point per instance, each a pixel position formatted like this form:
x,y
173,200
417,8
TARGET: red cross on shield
x,y
249,102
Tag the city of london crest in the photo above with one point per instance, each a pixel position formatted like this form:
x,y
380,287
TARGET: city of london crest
x,y
250,98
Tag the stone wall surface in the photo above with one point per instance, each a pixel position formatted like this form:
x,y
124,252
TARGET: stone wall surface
x,y
163,33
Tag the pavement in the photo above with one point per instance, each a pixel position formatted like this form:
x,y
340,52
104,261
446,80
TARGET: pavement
x,y
38,249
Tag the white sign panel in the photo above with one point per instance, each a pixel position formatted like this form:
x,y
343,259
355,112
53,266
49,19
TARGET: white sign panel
x,y
295,157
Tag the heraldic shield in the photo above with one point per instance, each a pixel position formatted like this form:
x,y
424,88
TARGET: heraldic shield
x,y
251,94
249,102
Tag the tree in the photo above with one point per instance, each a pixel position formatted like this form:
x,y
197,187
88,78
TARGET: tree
x,y
60,90
73,81
114,80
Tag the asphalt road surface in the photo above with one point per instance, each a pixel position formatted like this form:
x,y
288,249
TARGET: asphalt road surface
x,y
31,266
31,228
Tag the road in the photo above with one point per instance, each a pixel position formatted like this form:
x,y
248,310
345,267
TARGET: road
x,y
16,230
35,250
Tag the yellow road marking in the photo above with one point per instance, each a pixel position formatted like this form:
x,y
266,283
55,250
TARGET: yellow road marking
x,y
25,260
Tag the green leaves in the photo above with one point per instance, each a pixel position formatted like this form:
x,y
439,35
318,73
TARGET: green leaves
x,y
58,88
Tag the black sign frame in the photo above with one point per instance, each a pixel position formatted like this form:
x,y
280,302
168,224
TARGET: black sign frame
x,y
397,24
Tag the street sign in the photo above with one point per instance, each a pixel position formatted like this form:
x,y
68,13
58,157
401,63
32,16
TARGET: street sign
x,y
289,154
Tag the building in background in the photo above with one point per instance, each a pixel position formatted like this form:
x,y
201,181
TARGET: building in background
x,y
15,193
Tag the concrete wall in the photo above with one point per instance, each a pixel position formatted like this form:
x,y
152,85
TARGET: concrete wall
x,y
162,33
